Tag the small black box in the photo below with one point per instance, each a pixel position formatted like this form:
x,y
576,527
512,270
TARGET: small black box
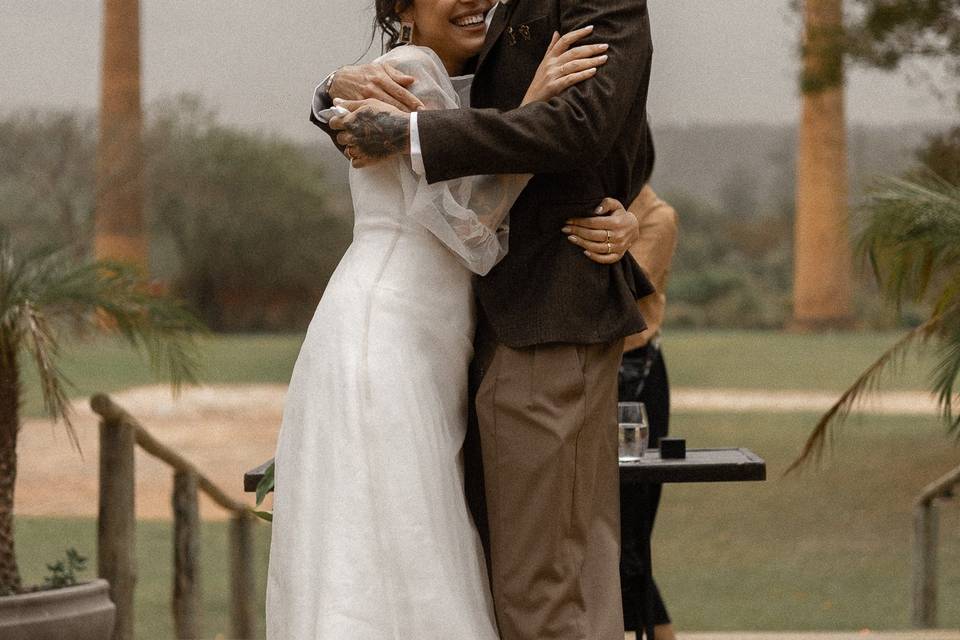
x,y
673,448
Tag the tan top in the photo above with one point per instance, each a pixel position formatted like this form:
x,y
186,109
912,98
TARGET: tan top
x,y
654,252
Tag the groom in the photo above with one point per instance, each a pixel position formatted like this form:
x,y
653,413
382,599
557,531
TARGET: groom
x,y
551,322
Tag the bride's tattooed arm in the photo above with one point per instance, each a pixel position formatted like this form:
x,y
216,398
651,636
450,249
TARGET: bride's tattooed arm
x,y
372,131
380,134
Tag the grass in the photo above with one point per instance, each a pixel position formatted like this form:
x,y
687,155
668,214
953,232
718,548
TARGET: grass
x,y
773,360
826,549
109,365
43,540
715,359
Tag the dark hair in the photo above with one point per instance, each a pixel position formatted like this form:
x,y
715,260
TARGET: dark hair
x,y
388,20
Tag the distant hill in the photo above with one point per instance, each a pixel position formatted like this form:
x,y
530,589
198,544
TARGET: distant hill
x,y
720,165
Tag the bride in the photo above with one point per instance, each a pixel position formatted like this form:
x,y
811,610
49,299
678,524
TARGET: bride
x,y
372,537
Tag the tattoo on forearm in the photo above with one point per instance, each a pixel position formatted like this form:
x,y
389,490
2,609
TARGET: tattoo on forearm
x,y
380,134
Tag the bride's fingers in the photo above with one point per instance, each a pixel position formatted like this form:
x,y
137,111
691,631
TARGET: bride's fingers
x,y
553,40
565,82
567,40
595,247
576,66
608,205
584,51
601,218
594,235
600,248
603,258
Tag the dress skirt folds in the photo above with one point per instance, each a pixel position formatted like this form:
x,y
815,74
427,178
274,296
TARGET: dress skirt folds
x,y
372,538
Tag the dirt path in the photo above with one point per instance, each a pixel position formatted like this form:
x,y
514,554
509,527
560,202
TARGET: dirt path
x,y
226,430
685,400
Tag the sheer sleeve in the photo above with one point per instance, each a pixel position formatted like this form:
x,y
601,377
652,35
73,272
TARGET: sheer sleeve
x,y
469,215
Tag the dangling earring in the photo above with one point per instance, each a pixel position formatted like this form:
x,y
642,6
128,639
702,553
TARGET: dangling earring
x,y
406,33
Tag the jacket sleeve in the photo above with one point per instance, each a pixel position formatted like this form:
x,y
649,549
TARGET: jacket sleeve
x,y
327,130
576,127
469,215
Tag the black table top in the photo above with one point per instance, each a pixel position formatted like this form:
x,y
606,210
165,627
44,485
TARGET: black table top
x,y
700,465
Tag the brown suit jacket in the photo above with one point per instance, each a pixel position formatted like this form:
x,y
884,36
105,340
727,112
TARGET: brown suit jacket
x,y
585,144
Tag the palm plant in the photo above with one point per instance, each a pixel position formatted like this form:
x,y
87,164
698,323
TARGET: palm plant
x,y
42,294
910,233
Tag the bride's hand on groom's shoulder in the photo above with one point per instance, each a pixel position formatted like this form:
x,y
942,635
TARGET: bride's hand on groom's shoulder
x,y
565,65
607,235
372,131
379,81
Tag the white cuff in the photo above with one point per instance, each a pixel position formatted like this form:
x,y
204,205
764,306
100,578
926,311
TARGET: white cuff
x,y
416,157
318,105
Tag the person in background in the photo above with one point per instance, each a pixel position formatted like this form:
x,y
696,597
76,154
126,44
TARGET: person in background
x,y
643,378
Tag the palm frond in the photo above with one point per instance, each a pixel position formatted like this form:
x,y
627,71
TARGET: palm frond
x,y
47,289
910,233
947,371
43,346
867,382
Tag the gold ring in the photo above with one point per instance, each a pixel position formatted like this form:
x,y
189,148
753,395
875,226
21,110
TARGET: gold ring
x,y
608,235
609,248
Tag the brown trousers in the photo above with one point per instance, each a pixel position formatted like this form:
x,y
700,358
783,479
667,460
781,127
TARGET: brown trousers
x,y
547,425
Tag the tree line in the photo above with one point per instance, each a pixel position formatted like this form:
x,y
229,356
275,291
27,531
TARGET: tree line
x,y
242,225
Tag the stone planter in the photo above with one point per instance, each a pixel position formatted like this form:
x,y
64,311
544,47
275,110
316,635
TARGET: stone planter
x,y
80,612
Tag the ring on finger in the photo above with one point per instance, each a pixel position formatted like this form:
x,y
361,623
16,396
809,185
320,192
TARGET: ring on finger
x,y
609,248
608,235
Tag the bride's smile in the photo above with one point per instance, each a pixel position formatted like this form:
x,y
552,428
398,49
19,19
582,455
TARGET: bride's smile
x,y
454,29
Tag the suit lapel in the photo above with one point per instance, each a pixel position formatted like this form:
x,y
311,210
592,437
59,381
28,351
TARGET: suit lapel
x,y
497,25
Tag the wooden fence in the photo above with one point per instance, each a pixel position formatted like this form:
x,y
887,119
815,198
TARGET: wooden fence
x,y
925,537
119,433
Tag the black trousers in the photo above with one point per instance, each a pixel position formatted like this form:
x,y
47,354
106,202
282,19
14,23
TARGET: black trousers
x,y
643,378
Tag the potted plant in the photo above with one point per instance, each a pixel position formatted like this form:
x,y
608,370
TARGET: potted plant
x,y
44,293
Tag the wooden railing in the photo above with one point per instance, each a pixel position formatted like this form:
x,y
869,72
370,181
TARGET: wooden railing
x,y
925,538
119,433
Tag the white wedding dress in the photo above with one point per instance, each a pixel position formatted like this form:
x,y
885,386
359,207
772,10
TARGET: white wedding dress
x,y
372,538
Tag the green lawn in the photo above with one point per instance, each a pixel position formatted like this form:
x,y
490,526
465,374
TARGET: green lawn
x,y
828,549
41,540
696,358
108,365
773,360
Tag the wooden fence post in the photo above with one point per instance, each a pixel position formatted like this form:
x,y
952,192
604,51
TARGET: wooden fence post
x,y
925,526
119,434
116,521
186,552
242,586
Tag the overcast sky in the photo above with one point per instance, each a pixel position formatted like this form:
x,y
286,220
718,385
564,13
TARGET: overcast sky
x,y
257,61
